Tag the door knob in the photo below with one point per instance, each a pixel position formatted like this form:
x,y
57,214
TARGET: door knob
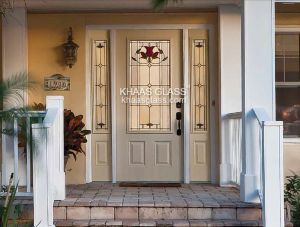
x,y
178,118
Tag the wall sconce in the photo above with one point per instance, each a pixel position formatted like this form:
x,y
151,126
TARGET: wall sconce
x,y
70,50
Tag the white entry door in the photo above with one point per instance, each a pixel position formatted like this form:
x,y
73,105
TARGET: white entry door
x,y
149,70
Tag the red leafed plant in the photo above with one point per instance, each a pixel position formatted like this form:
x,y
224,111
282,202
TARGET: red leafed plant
x,y
74,134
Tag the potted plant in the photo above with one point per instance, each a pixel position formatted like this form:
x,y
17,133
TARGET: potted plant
x,y
292,197
74,135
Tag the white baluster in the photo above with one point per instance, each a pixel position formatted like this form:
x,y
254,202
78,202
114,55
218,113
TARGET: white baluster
x,y
16,151
28,155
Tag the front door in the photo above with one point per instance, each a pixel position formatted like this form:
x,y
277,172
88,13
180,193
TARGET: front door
x,y
148,98
149,72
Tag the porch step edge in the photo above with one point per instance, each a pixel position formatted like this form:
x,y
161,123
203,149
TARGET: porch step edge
x,y
161,222
72,203
168,213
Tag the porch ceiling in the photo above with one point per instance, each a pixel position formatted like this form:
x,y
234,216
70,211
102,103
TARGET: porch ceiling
x,y
114,5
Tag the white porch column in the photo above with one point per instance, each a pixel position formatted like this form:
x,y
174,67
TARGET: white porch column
x,y
258,83
230,77
14,43
14,60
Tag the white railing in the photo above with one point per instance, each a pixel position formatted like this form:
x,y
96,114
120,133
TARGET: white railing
x,y
41,172
48,162
271,169
16,158
231,154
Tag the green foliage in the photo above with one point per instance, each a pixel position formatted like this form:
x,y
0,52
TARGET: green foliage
x,y
74,135
12,92
7,198
12,89
292,196
159,4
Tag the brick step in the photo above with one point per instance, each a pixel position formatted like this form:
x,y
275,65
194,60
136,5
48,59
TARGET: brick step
x,y
123,222
156,213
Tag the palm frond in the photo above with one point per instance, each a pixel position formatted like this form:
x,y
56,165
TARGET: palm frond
x,y
159,4
9,199
12,90
8,116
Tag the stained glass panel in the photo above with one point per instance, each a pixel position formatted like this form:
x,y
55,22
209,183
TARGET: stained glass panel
x,y
199,85
149,72
101,87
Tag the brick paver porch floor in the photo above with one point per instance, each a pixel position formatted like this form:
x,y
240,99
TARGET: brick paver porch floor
x,y
189,195
99,204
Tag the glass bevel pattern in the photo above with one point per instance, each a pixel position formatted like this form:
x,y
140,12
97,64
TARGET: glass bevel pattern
x,y
149,70
101,87
199,85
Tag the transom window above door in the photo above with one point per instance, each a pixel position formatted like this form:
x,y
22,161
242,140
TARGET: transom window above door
x,y
288,82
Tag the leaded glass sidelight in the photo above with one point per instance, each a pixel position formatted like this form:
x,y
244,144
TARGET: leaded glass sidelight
x,y
149,73
199,85
100,87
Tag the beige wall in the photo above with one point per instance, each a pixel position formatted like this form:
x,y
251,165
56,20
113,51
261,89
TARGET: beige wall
x,y
291,150
46,33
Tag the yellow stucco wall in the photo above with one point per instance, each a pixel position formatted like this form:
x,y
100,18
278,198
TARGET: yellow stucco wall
x,y
291,149
46,34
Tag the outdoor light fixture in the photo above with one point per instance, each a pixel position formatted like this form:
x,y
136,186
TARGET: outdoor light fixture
x,y
70,50
6,6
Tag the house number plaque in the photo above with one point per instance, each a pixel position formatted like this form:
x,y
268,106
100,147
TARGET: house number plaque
x,y
57,82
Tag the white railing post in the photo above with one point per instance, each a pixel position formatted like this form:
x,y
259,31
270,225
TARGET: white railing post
x,y
42,175
225,167
231,149
58,149
14,61
272,174
230,76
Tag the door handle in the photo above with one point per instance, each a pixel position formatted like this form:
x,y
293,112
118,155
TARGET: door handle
x,y
178,118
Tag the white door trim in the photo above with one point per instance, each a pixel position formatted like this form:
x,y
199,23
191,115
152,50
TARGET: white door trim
x,y
148,26
212,105
112,43
186,120
186,138
287,28
88,101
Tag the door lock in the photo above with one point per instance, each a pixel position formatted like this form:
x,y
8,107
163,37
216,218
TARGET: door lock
x,y
178,104
178,118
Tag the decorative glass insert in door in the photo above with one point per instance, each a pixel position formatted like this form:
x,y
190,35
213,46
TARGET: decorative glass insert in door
x,y
100,81
199,91
149,74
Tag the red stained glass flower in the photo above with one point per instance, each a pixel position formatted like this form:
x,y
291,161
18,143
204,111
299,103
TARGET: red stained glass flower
x,y
149,53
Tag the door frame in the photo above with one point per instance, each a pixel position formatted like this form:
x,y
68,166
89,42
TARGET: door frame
x,y
186,121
